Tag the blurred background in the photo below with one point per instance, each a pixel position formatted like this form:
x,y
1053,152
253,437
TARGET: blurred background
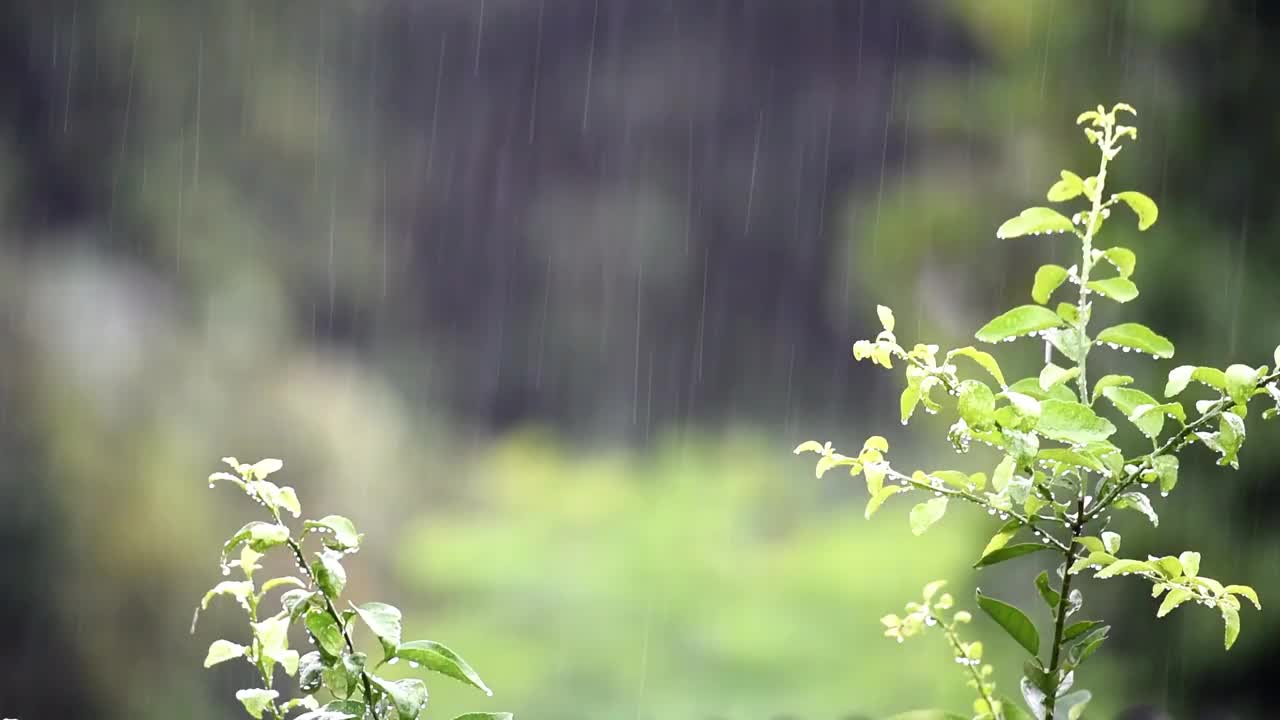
x,y
542,293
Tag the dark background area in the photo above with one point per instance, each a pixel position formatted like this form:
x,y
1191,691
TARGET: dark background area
x,y
542,293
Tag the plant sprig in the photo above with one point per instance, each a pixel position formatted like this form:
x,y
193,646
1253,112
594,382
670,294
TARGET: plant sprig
x,y
1061,472
335,667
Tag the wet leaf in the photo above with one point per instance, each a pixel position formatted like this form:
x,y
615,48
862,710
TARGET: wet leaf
x,y
1123,259
1022,320
984,360
1048,279
1173,599
1142,206
1122,290
222,651
408,696
924,515
1068,187
1072,422
1009,552
384,621
1035,221
878,499
1137,337
1141,503
256,700
438,658
1013,621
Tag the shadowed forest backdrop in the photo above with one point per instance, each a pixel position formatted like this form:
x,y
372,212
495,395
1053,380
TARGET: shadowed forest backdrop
x,y
541,293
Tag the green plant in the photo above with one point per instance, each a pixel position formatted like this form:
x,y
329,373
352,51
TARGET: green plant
x,y
335,666
1062,471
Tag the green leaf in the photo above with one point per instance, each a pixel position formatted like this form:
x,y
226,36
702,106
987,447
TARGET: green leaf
x,y
1072,422
1166,468
1125,566
808,446
1048,279
1014,622
1072,458
1003,473
1141,503
1052,376
1122,290
342,677
1022,320
239,589
330,576
1123,259
1048,594
926,514
325,630
1182,375
256,700
1009,552
274,583
1173,599
1031,388
1072,705
1231,625
336,710
878,499
1245,591
1231,433
342,531
1068,187
265,467
1126,400
222,651
1075,630
1190,563
486,716
886,317
287,498
1142,206
1002,536
310,671
907,404
408,697
1034,221
976,404
438,658
384,621
259,535
1241,381
1137,337
984,360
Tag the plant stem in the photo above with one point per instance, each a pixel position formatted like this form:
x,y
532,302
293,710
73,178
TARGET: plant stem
x,y
1028,520
333,612
1171,444
959,651
1086,265
1060,622
257,653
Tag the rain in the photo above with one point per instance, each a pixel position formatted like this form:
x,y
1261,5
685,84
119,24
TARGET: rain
x,y
542,293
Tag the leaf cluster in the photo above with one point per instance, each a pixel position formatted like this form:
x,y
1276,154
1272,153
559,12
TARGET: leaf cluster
x,y
335,669
1061,467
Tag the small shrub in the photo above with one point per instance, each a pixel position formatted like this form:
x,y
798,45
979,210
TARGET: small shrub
x,y
335,668
1061,474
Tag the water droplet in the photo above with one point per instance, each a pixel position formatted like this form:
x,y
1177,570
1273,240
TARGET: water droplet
x,y
210,486
393,661
1164,493
413,665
